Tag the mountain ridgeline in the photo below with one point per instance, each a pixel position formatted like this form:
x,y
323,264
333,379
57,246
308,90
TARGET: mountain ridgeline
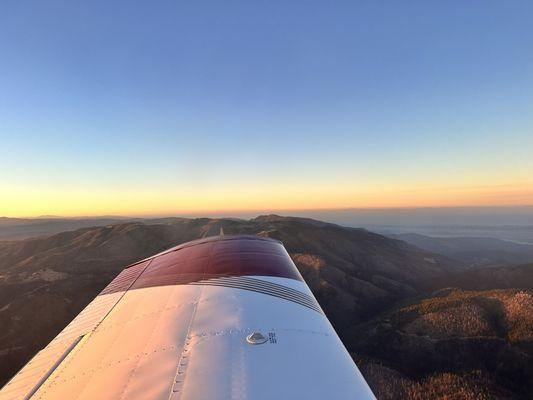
x,y
361,279
473,252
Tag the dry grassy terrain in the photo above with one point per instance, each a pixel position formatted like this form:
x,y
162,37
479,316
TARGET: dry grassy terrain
x,y
452,345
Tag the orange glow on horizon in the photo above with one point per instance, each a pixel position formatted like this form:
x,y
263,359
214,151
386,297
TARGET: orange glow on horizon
x,y
20,202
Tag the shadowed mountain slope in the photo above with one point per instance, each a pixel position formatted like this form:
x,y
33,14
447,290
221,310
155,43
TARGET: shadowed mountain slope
x,y
518,277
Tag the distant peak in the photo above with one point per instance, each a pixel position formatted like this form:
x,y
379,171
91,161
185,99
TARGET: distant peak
x,y
280,218
270,218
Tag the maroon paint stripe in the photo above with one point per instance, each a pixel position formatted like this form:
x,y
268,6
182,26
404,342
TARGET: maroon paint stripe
x,y
212,258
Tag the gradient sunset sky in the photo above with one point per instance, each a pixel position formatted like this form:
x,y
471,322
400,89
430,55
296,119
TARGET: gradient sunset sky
x,y
168,107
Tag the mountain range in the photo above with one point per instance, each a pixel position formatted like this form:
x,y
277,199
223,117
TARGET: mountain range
x,y
472,252
374,289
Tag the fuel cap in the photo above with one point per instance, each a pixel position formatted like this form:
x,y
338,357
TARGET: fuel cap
x,y
256,338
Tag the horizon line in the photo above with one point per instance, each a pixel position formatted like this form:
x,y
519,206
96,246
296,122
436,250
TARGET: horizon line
x,y
260,212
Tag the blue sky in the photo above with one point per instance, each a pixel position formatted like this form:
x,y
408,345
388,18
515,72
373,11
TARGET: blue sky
x,y
349,102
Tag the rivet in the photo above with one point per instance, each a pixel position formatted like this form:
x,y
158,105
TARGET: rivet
x,y
256,338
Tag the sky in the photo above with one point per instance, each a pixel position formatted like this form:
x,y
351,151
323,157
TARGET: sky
x,y
168,107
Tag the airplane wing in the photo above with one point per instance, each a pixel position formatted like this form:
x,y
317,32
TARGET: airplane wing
x,y
226,317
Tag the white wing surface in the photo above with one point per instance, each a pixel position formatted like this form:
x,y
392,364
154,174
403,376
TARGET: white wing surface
x,y
227,317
